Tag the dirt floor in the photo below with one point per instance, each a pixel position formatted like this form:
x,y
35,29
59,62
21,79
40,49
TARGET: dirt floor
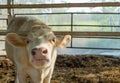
x,y
74,69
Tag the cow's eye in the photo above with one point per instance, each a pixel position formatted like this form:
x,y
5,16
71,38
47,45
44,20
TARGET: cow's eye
x,y
28,41
53,40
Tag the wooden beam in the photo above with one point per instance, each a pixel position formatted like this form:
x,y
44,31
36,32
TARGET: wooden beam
x,y
59,5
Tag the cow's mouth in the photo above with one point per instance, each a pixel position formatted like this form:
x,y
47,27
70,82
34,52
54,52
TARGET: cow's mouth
x,y
39,61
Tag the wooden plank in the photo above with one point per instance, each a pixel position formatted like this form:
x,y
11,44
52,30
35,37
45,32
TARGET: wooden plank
x,y
75,34
59,5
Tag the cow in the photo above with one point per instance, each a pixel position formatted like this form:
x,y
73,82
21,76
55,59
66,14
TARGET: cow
x,y
34,53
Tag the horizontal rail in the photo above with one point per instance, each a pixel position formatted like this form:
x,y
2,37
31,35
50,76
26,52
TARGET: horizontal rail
x,y
89,25
2,49
100,37
86,48
3,56
94,48
3,19
84,34
2,40
65,13
58,5
76,34
81,35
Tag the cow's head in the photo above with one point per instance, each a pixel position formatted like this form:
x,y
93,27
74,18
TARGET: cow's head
x,y
41,44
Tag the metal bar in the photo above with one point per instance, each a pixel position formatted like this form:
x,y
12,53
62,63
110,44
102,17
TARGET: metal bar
x,y
3,56
58,5
94,48
2,49
2,39
71,28
105,37
66,13
3,18
74,34
77,34
89,25
71,22
88,48
9,11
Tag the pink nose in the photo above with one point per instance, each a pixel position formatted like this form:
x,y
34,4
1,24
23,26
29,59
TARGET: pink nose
x,y
42,51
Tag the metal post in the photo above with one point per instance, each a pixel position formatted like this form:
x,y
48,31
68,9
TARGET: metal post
x,y
71,28
9,11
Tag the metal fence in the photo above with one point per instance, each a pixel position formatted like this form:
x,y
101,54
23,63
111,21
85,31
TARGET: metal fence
x,y
78,34
82,34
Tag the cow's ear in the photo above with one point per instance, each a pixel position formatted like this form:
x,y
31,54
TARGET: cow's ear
x,y
62,43
15,40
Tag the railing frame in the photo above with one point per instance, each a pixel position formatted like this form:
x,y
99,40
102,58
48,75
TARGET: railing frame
x,y
108,35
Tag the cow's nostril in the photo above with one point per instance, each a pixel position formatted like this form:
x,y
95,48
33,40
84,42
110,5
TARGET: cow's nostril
x,y
33,52
38,51
45,51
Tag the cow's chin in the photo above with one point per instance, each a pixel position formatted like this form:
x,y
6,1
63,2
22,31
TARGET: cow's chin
x,y
40,63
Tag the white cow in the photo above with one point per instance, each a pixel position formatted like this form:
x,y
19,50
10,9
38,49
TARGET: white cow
x,y
35,54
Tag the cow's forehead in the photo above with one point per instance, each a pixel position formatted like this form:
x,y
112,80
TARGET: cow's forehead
x,y
42,32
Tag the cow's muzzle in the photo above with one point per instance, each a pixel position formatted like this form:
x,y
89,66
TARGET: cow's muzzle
x,y
39,56
39,51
